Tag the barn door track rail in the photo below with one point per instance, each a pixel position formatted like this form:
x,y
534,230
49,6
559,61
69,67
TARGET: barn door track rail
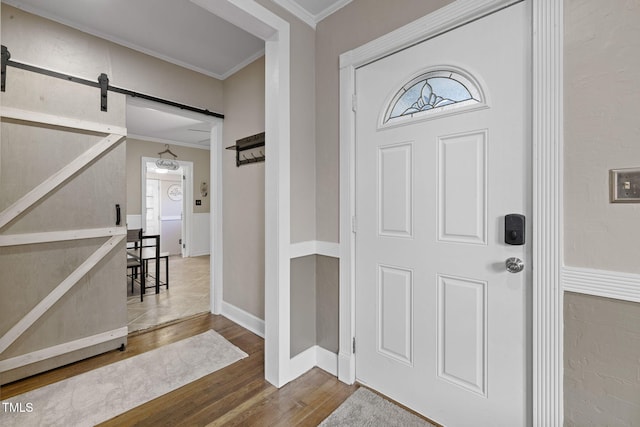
x,y
101,83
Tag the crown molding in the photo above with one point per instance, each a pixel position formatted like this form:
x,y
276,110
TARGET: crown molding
x,y
307,17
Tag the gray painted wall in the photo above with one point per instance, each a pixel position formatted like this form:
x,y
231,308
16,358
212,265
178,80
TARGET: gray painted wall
x,y
602,366
303,122
314,303
45,43
303,304
303,285
602,101
243,193
601,62
327,302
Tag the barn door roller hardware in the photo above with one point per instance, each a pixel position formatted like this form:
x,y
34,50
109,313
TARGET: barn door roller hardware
x,y
102,83
5,58
103,80
6,61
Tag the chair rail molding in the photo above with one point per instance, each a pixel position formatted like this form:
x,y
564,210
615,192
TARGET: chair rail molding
x,y
315,247
602,283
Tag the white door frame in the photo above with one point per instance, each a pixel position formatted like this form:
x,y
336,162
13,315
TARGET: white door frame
x,y
215,217
187,201
264,24
547,36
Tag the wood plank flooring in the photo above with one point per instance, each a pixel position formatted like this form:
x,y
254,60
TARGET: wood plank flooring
x,y
235,395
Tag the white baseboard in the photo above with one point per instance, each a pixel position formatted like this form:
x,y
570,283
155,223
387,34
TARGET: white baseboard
x,y
314,247
602,283
312,357
302,363
243,318
327,360
199,254
61,349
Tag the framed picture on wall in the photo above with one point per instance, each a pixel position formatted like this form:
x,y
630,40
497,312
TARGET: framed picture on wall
x,y
174,192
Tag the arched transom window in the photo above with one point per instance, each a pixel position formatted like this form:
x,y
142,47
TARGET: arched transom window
x,y
431,92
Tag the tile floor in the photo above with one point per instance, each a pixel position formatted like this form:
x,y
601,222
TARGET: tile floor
x,y
188,294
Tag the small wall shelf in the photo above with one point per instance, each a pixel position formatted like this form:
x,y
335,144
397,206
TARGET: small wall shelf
x,y
249,149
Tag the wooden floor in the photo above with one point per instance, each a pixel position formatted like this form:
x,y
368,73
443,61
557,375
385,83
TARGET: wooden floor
x,y
235,395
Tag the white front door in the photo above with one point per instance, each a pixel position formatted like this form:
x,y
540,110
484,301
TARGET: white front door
x,y
442,155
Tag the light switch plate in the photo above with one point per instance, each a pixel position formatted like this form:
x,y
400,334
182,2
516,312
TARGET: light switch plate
x,y
624,185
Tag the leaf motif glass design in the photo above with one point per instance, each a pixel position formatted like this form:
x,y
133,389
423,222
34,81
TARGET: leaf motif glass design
x,y
433,91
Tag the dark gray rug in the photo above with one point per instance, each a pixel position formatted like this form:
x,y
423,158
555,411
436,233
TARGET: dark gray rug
x,y
365,408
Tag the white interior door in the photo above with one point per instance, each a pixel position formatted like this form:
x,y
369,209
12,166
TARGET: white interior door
x,y
171,202
152,209
443,154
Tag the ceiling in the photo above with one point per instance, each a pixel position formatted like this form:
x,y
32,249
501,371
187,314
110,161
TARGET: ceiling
x,y
146,120
177,31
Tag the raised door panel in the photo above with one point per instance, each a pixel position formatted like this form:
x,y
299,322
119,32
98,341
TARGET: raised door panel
x,y
395,190
462,332
395,313
462,193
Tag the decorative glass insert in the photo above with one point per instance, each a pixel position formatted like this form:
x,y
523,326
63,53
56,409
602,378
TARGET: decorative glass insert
x,y
433,91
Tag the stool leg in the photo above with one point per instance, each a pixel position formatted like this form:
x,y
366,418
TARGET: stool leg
x,y
142,281
166,270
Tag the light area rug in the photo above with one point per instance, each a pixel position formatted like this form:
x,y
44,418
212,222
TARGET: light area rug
x,y
96,396
365,408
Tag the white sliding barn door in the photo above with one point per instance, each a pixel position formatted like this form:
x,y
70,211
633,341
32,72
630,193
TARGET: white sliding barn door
x,y
62,256
442,155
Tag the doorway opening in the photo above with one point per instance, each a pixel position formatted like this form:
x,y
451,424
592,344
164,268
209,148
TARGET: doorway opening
x,y
173,207
165,205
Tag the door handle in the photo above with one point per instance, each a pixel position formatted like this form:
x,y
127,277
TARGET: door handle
x,y
118,218
514,265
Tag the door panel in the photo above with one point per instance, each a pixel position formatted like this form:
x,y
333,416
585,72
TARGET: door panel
x,y
62,172
441,326
462,334
395,314
395,201
462,208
